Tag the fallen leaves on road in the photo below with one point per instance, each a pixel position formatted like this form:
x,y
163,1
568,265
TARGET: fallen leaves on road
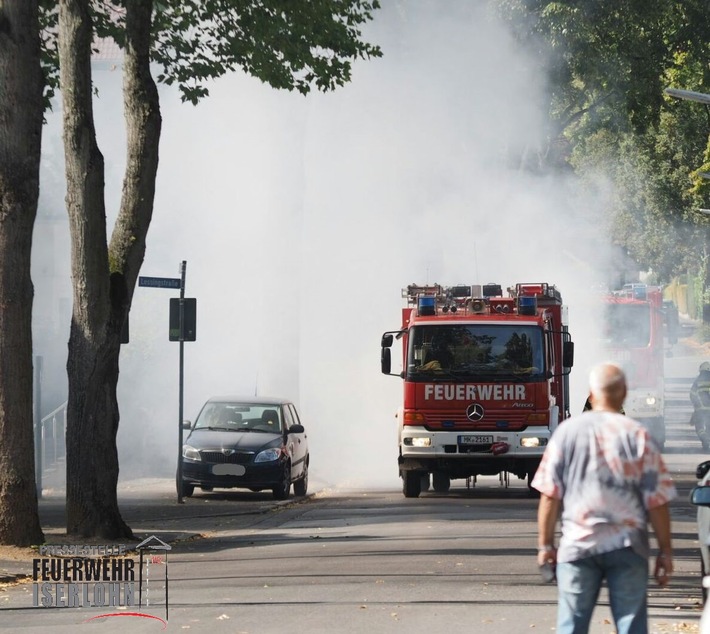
x,y
666,628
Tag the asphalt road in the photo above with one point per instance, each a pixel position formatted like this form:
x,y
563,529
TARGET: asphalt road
x,y
367,561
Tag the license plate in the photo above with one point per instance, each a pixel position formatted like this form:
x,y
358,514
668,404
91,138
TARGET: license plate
x,y
475,440
229,469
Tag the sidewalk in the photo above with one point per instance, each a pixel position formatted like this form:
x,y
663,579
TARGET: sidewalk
x,y
149,506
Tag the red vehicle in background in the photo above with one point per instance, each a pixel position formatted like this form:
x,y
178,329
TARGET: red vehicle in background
x,y
486,381
634,338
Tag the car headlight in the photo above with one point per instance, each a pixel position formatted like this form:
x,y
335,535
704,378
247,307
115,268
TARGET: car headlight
x,y
650,400
190,453
268,455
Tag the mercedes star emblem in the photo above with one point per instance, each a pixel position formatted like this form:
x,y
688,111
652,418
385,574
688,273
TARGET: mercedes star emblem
x,y
475,412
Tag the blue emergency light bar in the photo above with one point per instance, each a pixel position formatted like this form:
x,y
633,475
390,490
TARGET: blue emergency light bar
x,y
426,305
527,305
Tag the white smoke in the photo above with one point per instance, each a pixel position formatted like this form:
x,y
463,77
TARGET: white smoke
x,y
302,219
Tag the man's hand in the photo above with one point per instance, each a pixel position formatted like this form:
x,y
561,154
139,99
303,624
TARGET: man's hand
x,y
664,568
661,521
548,511
547,557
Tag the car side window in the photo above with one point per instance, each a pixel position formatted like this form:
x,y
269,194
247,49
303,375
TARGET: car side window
x,y
287,417
294,413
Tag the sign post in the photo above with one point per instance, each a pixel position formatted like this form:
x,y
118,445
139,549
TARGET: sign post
x,y
183,268
182,336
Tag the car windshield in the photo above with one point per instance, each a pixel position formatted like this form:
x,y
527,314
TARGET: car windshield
x,y
240,417
475,351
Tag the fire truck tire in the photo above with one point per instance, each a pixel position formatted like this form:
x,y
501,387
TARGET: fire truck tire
x,y
411,484
440,481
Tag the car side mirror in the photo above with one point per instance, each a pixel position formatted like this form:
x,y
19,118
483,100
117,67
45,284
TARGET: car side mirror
x,y
700,496
186,424
296,429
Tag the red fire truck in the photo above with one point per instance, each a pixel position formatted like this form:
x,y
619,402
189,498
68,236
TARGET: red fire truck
x,y
633,338
486,381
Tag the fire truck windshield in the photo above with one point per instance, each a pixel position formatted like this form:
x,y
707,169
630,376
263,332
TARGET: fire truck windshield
x,y
475,351
627,325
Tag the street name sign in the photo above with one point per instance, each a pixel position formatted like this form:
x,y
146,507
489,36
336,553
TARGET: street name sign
x,y
160,282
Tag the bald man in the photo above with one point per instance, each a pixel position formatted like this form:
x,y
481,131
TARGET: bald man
x,y
606,474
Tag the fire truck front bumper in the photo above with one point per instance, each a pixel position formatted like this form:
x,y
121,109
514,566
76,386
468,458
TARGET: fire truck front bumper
x,y
644,403
429,451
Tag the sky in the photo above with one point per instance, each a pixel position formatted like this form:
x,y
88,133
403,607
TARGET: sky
x,y
301,219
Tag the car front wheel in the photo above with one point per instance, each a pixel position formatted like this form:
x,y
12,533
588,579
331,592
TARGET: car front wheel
x,y
283,488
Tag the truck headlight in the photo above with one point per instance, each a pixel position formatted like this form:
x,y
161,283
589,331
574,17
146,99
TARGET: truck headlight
x,y
650,400
417,442
533,441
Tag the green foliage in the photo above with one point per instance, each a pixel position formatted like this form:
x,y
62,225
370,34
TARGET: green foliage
x,y
48,17
284,43
607,63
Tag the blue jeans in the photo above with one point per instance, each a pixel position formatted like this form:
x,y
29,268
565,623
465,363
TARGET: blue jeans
x,y
579,582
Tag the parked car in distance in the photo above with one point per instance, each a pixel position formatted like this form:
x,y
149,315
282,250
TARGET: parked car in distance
x,y
250,443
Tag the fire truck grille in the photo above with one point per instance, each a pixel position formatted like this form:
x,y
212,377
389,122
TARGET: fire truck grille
x,y
475,449
219,457
492,421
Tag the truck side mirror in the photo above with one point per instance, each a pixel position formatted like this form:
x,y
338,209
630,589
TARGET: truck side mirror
x,y
386,359
568,354
387,340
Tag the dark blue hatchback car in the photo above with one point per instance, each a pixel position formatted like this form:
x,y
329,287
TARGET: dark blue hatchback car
x,y
250,443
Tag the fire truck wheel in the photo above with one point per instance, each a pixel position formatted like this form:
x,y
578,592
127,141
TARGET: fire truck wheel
x,y
441,482
411,484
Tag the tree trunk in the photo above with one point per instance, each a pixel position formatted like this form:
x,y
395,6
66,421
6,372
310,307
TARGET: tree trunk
x,y
92,364
21,112
103,278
